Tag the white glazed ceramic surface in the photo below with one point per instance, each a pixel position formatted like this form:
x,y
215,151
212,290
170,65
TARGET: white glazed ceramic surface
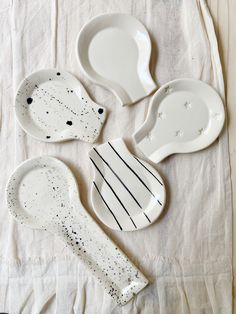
x,y
185,115
114,51
53,106
42,193
127,193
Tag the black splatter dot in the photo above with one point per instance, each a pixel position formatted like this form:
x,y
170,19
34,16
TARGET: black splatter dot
x,y
48,136
71,91
69,122
29,100
47,112
58,73
100,110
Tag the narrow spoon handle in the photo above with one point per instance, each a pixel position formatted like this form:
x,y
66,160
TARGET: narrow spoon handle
x,y
120,278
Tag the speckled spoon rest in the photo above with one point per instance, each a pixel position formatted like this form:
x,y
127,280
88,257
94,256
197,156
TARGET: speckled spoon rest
x,y
42,193
53,106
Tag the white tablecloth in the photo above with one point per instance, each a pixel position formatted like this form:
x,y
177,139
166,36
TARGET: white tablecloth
x,y
186,254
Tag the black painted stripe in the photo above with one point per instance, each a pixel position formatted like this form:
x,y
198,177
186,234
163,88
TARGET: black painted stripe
x,y
134,172
148,170
147,217
113,191
131,194
107,206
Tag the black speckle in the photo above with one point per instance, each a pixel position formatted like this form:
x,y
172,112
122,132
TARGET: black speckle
x,y
29,100
71,91
58,73
69,122
48,136
100,110
47,112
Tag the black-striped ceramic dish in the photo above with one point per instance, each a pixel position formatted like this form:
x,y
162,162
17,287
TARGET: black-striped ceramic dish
x,y
127,193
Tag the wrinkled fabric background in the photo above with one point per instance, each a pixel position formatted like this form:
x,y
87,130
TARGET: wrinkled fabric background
x,y
186,254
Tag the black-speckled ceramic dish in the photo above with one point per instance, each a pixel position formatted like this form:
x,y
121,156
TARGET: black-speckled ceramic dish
x,y
42,193
53,106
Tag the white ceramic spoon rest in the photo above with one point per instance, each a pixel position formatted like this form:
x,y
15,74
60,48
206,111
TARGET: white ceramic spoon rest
x,y
114,51
185,115
53,106
42,193
127,193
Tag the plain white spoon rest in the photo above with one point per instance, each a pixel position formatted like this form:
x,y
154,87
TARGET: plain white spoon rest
x,y
114,51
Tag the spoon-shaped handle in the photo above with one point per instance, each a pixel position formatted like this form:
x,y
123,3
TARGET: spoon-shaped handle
x,y
42,193
120,278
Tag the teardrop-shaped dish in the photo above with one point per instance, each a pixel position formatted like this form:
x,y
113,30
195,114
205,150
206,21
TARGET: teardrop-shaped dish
x,y
184,116
114,51
53,106
127,193
42,193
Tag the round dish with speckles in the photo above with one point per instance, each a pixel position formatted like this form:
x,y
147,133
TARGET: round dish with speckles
x,y
42,193
53,106
185,115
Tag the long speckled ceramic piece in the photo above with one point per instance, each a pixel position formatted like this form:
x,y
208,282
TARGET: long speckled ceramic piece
x,y
127,193
114,51
53,106
185,115
42,193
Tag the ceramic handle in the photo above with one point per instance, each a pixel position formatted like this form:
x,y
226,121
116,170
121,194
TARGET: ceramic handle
x,y
120,278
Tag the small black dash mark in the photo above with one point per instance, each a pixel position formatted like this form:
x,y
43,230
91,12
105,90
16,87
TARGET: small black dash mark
x,y
48,136
58,73
69,122
29,100
100,110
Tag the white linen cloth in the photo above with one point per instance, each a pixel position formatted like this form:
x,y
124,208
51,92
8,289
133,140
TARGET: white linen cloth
x,y
186,254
